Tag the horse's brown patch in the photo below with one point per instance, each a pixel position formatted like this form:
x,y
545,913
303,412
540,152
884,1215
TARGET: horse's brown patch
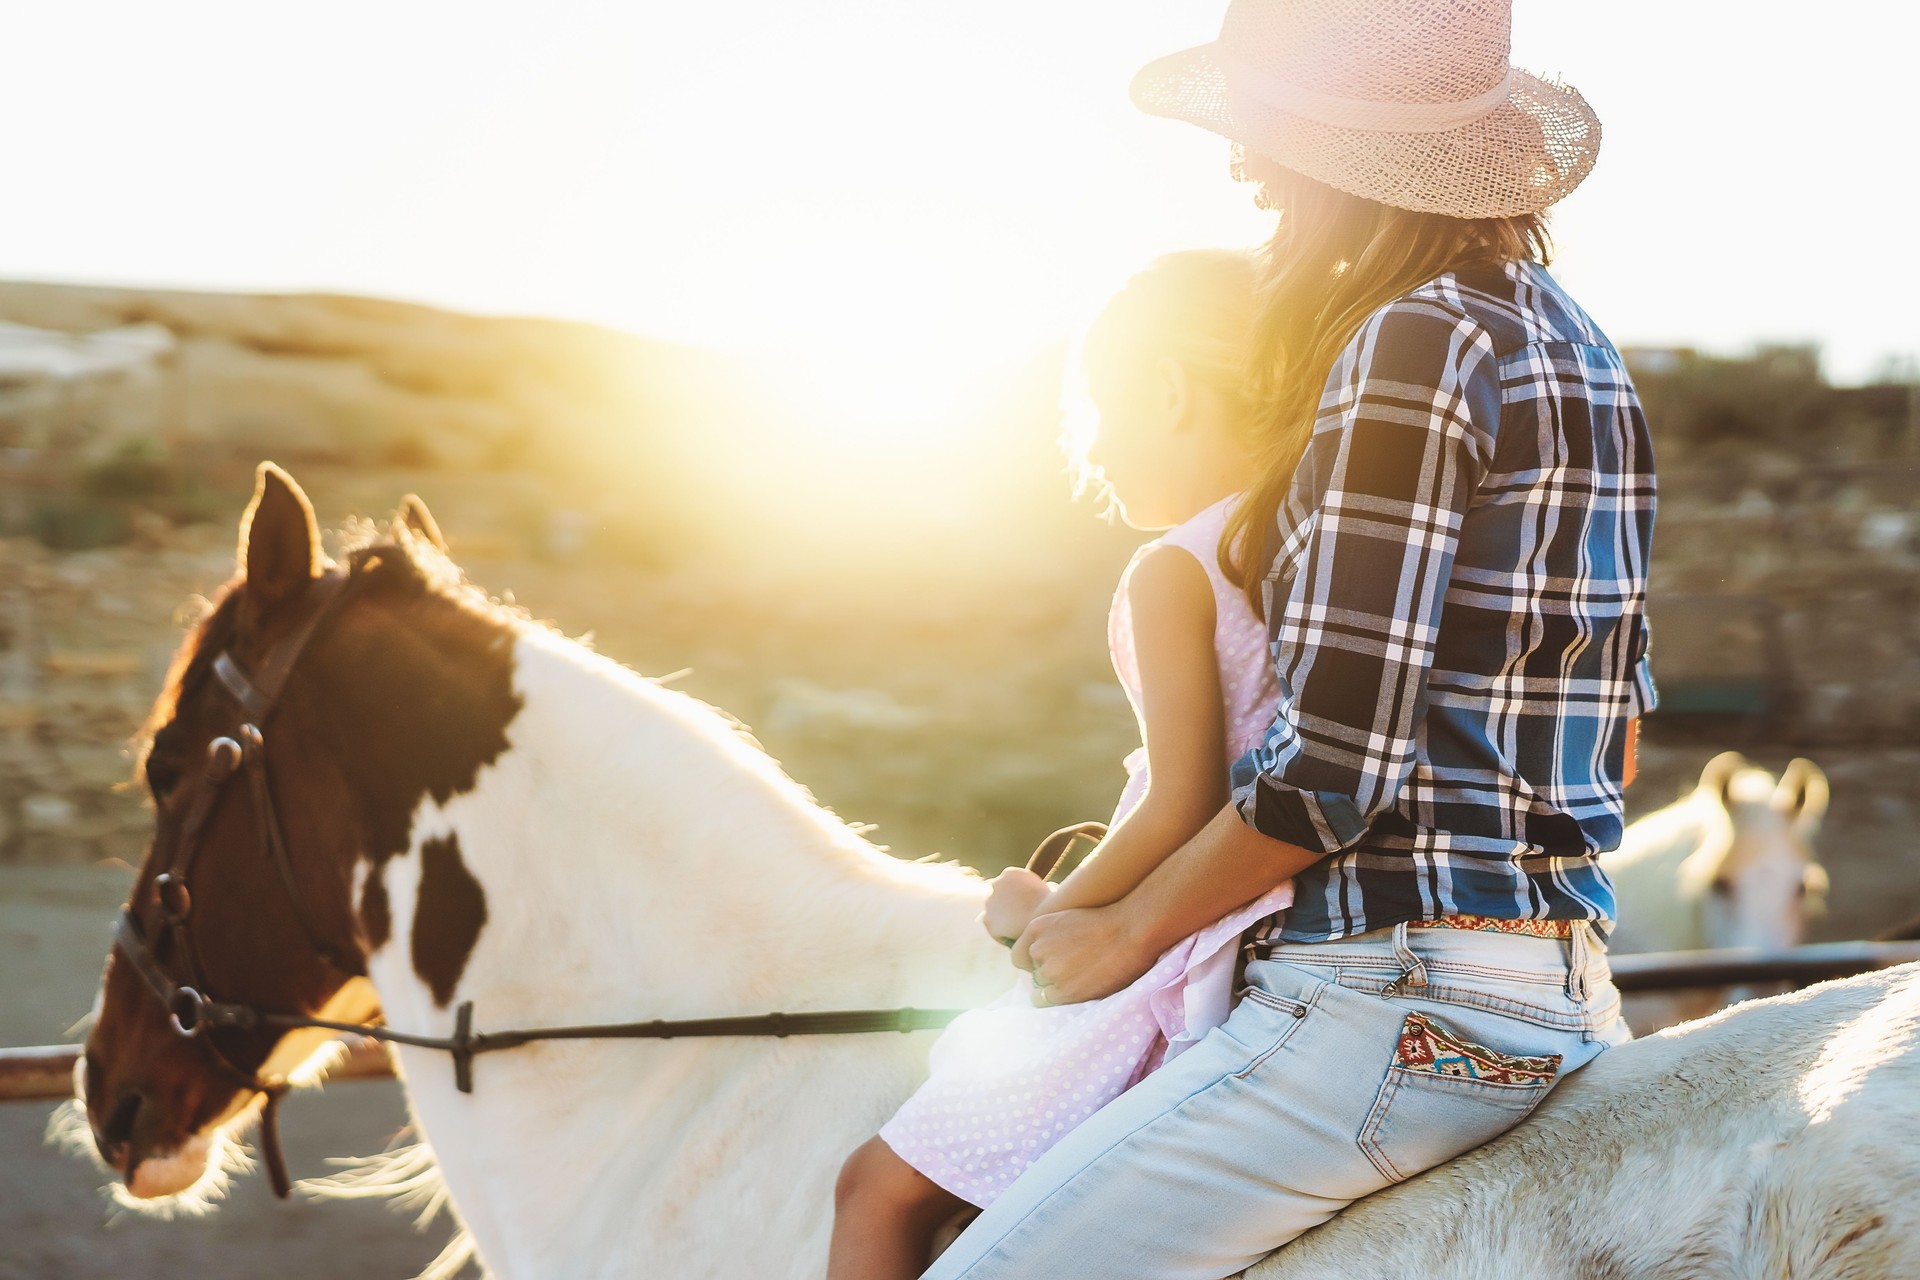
x,y
447,917
427,679
376,916
428,672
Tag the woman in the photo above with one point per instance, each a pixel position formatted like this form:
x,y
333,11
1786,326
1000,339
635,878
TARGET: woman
x,y
1448,540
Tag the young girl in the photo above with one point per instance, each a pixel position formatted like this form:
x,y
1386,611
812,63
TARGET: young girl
x,y
1163,367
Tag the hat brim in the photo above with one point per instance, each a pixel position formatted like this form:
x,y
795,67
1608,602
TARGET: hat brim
x,y
1522,157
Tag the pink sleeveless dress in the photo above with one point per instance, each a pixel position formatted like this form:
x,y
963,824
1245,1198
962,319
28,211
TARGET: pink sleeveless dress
x,y
1009,1080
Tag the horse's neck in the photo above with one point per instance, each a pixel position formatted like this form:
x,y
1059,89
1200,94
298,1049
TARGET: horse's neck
x,y
641,860
635,847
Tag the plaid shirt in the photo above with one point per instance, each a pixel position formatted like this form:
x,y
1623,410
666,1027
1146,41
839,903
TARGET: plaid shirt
x,y
1456,611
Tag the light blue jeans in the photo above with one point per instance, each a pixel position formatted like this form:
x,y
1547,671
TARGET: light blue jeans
x,y
1316,1091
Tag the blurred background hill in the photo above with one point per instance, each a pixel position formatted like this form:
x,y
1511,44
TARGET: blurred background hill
x,y
920,639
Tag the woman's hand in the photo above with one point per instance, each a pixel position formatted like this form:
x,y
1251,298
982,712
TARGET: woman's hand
x,y
1080,954
1016,897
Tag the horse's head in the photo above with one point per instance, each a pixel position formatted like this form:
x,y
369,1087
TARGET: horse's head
x,y
301,723
1756,876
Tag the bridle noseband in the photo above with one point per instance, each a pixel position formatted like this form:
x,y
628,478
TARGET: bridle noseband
x,y
191,1009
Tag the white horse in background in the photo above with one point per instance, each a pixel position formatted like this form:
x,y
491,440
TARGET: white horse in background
x,y
1731,864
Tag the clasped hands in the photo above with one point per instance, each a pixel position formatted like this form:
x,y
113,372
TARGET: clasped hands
x,y
1076,954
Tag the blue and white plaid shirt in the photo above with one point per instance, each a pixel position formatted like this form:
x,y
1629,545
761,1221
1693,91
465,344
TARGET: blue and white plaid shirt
x,y
1456,609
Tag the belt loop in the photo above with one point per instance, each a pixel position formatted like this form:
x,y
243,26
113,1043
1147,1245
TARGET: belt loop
x,y
1413,970
1579,957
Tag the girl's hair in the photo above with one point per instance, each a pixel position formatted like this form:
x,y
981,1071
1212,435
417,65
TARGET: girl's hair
x,y
1333,261
1195,307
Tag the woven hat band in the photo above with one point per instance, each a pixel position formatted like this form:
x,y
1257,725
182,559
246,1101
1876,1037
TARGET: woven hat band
x,y
1281,94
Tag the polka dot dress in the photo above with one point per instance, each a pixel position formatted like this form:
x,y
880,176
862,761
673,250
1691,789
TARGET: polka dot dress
x,y
1008,1080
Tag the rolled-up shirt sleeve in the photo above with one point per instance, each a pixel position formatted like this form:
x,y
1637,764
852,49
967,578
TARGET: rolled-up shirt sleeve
x,y
1368,537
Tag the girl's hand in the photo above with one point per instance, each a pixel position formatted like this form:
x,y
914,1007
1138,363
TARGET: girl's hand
x,y
1080,954
1017,896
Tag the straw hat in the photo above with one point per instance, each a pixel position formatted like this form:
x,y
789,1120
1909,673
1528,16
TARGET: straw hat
x,y
1408,102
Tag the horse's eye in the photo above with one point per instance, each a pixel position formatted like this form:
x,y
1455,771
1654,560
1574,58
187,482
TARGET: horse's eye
x,y
162,777
1722,887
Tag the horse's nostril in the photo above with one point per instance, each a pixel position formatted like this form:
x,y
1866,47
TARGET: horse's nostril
x,y
113,1137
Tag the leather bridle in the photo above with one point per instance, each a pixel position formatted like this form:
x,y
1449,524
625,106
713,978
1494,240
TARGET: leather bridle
x,y
191,1009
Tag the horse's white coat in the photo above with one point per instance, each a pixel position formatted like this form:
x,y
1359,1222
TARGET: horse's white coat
x,y
640,859
1772,1140
1730,864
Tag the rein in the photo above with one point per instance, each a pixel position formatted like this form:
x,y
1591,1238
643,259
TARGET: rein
x,y
191,1010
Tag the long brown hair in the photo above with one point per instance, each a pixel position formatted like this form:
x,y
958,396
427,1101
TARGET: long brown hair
x,y
1333,261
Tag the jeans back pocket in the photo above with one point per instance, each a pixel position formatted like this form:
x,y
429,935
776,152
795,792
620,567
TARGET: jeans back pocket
x,y
1445,1094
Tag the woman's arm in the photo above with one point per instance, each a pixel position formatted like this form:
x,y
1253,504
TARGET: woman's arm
x,y
1172,610
1094,952
1087,954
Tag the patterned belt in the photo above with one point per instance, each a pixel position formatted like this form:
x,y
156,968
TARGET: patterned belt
x,y
1531,928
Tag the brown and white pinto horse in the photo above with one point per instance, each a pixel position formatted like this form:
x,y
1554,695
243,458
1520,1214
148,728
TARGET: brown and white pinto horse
x,y
477,809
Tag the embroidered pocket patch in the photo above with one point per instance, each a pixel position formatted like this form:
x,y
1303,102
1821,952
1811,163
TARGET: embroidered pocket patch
x,y
1426,1047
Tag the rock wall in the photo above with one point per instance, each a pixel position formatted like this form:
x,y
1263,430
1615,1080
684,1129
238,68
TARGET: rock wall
x,y
1786,599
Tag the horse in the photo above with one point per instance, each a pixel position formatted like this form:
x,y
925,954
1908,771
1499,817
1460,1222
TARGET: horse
x,y
453,807
1768,1140
1730,864
478,809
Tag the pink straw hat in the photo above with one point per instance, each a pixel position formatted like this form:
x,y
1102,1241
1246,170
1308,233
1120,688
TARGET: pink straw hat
x,y
1411,103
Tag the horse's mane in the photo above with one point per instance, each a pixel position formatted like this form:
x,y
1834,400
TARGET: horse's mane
x,y
366,548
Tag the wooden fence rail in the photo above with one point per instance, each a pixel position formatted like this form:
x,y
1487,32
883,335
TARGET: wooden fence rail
x,y
1800,966
45,1072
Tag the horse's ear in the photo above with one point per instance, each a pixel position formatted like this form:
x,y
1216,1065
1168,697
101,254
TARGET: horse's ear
x,y
279,539
414,517
1718,776
1803,794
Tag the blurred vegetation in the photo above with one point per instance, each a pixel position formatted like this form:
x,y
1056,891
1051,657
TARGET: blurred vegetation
x,y
81,505
1704,406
